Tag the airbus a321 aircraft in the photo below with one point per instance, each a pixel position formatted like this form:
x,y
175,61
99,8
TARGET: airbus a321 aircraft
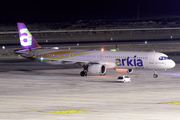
x,y
93,61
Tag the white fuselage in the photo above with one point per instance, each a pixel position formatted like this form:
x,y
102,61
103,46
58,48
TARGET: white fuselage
x,y
118,59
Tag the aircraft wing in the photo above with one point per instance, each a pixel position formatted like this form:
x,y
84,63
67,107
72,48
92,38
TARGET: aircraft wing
x,y
80,63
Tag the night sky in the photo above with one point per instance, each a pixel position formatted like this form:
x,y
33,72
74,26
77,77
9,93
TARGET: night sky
x,y
86,9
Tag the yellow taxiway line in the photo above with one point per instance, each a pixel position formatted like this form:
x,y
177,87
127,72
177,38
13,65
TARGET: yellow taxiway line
x,y
177,103
68,111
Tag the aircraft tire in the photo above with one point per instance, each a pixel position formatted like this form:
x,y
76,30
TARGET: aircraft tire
x,y
155,76
82,73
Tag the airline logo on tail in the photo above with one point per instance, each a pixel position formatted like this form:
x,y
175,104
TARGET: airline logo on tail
x,y
25,37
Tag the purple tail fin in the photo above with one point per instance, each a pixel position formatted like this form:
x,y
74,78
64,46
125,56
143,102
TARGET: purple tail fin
x,y
26,39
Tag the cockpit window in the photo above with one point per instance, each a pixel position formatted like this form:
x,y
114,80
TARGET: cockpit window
x,y
163,58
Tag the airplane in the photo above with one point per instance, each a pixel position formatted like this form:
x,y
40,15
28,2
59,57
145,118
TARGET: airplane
x,y
93,61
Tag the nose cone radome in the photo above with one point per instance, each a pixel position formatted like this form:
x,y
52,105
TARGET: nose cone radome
x,y
172,64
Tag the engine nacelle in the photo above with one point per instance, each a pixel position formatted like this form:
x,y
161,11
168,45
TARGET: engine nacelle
x,y
97,69
124,70
109,65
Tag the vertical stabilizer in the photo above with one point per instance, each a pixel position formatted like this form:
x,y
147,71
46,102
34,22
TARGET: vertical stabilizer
x,y
26,39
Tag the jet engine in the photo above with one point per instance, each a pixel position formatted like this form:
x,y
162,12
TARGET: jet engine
x,y
124,70
97,69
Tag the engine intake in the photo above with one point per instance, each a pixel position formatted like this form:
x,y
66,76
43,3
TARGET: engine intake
x,y
97,69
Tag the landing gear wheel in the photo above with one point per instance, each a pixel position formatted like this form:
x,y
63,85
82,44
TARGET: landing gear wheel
x,y
85,70
85,73
155,75
82,73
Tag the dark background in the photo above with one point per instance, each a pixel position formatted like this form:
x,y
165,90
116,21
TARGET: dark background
x,y
55,10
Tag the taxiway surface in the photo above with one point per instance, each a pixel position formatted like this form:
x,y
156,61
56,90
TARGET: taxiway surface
x,y
33,91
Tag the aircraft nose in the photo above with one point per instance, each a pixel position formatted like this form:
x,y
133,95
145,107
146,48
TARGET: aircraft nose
x,y
172,64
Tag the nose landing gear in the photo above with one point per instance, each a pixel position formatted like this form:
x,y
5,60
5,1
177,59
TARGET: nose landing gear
x,y
155,74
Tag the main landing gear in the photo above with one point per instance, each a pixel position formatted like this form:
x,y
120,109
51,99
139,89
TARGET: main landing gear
x,y
84,72
155,74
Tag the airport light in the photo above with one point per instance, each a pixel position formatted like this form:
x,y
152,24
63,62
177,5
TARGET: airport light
x,y
113,50
41,59
102,49
56,48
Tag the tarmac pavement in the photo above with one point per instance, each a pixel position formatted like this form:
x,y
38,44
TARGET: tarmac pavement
x,y
44,93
